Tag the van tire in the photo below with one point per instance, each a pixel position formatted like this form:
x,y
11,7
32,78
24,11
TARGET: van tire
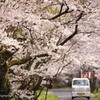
x,y
88,98
72,98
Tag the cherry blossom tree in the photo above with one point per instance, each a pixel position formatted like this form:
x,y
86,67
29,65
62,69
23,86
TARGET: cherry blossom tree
x,y
45,36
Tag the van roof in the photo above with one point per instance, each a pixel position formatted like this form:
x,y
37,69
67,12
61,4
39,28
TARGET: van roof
x,y
80,78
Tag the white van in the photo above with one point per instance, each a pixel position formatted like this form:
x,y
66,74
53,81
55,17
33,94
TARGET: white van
x,y
80,88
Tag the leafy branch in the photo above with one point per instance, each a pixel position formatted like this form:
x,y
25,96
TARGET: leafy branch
x,y
61,13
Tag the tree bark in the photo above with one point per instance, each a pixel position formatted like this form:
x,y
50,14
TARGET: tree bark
x,y
93,82
4,66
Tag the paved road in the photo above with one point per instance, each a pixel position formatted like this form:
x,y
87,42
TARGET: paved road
x,y
66,95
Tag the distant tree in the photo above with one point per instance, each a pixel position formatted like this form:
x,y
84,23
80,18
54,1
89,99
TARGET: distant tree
x,y
48,34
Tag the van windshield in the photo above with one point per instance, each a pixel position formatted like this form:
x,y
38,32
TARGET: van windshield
x,y
80,82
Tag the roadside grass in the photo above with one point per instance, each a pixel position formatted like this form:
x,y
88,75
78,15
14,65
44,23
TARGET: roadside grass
x,y
49,96
68,88
65,88
96,95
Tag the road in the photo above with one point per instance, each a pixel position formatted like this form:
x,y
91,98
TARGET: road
x,y
66,95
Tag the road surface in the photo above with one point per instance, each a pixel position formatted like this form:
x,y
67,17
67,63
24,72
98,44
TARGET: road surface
x,y
66,95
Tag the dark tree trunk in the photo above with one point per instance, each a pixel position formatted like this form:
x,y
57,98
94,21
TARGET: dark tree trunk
x,y
93,82
4,83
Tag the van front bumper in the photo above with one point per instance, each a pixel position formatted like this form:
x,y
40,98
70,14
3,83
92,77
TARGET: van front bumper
x,y
75,94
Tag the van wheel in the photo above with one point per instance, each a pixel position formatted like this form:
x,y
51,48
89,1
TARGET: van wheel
x,y
72,97
88,98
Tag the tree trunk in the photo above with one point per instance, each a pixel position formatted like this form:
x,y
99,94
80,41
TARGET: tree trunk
x,y
93,82
4,83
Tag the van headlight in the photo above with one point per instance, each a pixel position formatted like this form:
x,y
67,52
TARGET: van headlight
x,y
88,89
73,89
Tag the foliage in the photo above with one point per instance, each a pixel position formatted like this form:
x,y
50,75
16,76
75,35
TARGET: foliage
x,y
38,41
96,95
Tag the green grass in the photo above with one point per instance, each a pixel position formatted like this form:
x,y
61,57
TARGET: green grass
x,y
68,88
96,95
65,88
49,97
42,97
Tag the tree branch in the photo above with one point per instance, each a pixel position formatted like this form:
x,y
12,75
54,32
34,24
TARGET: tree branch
x,y
79,16
59,71
74,33
41,55
19,61
71,36
61,13
24,60
25,84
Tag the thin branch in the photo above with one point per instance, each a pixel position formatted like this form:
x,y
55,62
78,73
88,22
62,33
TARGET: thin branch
x,y
64,67
24,84
41,55
61,13
41,89
79,16
61,8
59,71
59,40
71,46
71,36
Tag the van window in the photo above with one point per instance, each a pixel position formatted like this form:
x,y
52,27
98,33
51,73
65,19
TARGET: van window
x,y
80,82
